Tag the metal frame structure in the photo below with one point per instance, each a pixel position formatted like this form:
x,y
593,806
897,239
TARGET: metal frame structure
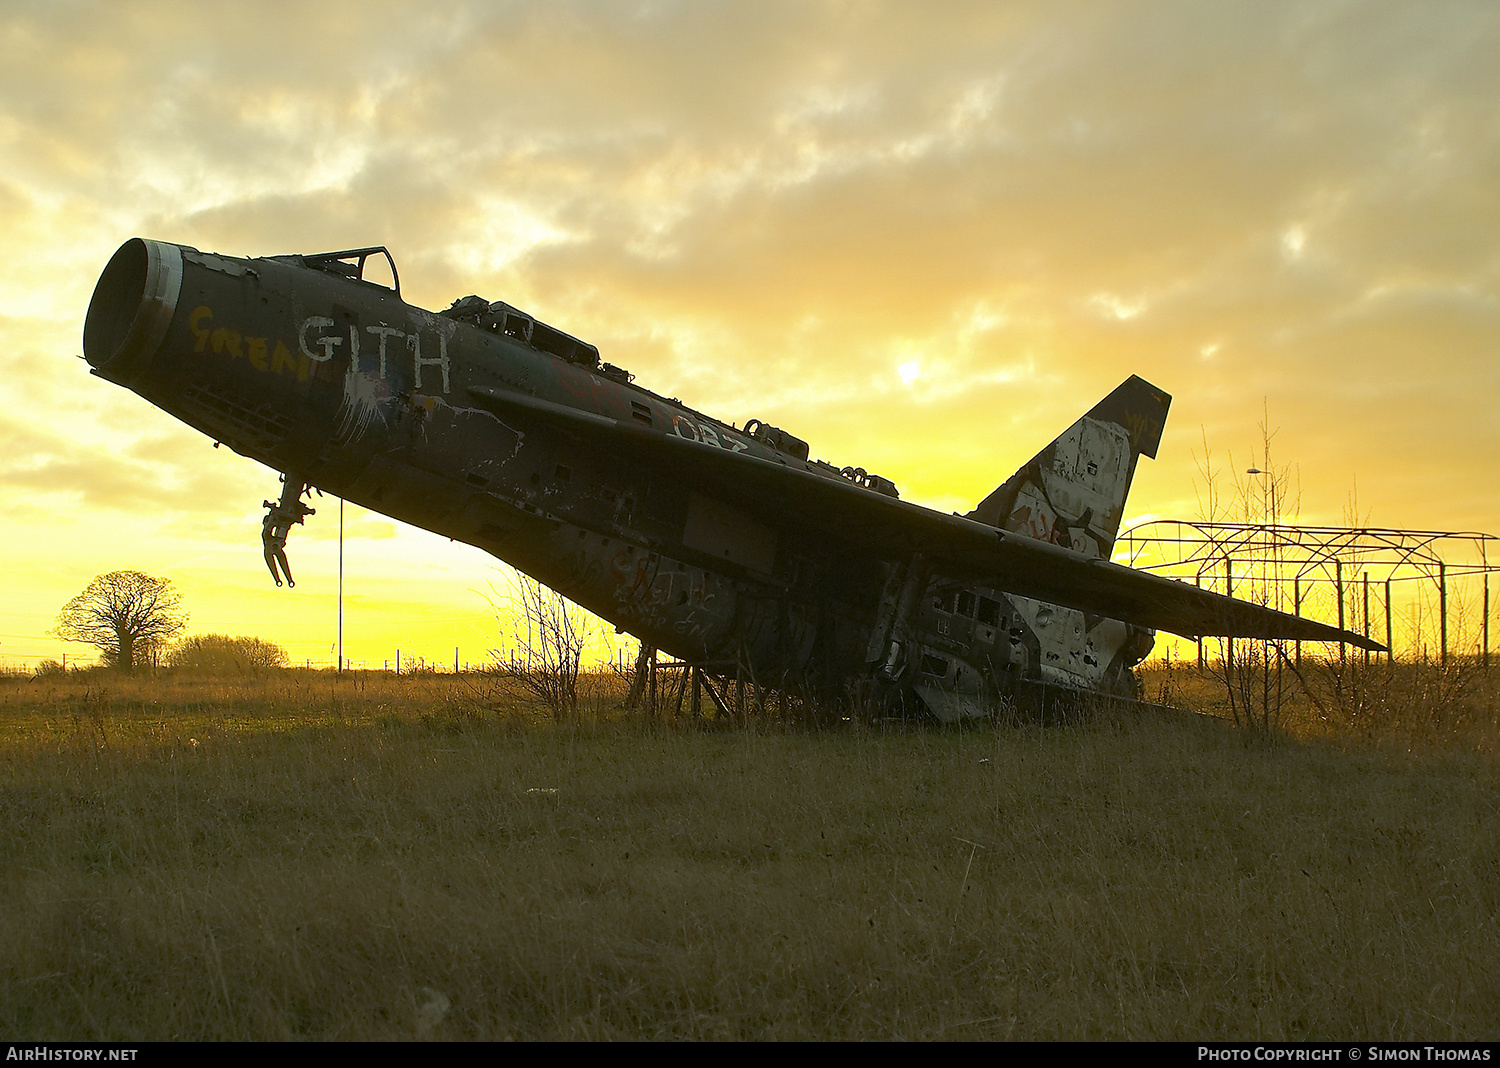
x,y
1289,566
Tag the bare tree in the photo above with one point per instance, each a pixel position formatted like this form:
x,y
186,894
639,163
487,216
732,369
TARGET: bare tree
x,y
121,614
1255,672
548,641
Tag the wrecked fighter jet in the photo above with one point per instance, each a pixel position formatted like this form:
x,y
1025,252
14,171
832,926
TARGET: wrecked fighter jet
x,y
727,546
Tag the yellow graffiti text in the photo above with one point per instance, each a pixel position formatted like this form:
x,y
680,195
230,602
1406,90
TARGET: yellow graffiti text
x,y
259,352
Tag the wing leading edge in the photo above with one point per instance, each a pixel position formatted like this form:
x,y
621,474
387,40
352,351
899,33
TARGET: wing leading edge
x,y
771,491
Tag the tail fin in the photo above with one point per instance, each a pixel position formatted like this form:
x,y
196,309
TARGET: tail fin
x,y
1072,493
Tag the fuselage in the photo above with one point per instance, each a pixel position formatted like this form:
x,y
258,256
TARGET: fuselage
x,y
449,421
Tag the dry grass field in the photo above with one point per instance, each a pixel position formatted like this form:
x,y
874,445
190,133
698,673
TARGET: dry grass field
x,y
298,857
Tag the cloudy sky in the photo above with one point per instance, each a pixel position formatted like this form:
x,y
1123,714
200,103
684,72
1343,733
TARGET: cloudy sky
x,y
924,237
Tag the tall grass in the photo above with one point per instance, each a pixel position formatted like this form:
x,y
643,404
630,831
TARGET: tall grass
x,y
291,858
1358,701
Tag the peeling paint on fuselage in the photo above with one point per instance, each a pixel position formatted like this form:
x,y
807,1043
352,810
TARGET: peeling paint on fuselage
x,y
367,396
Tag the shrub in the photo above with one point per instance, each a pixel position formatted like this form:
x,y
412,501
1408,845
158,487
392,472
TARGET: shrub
x,y
219,654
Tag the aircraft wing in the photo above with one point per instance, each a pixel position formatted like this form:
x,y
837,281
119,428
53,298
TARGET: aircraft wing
x,y
779,496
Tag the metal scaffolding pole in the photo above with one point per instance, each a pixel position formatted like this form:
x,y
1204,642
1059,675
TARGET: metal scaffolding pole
x,y
1390,645
1338,582
1228,642
1443,612
1297,611
1364,581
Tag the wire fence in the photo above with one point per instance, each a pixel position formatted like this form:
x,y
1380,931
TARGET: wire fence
x,y
19,658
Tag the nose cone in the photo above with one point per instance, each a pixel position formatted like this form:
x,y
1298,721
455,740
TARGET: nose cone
x,y
133,305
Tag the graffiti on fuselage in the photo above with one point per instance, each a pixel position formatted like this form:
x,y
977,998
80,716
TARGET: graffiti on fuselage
x,y
379,371
610,398
603,395
661,593
329,343
316,344
684,426
268,355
